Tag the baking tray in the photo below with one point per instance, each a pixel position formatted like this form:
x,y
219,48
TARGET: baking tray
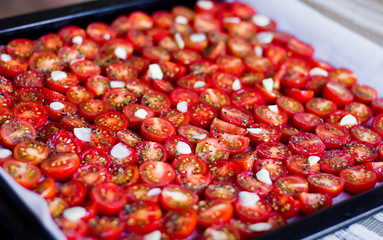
x,y
23,223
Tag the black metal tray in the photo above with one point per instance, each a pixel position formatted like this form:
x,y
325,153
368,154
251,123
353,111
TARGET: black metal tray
x,y
23,224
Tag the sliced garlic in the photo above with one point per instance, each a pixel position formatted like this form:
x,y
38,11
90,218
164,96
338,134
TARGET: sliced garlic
x,y
313,160
141,113
183,148
84,134
182,106
120,150
58,75
264,176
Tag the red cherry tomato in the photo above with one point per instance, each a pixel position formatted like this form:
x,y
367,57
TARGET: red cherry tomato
x,y
358,179
16,130
332,135
60,166
300,165
32,152
157,173
326,184
25,174
312,202
306,143
333,161
109,197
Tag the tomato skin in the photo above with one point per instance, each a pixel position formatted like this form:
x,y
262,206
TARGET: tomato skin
x,y
282,203
179,224
83,69
246,98
140,217
157,101
367,135
150,173
61,166
377,105
130,110
73,229
204,150
22,150
300,48
361,152
21,47
172,203
157,129
343,76
273,150
113,120
312,202
332,135
326,183
289,105
25,174
46,188
333,161
182,95
62,85
13,67
306,121
45,62
299,164
298,144
267,133
69,32
105,227
265,115
171,145
91,175
300,95
337,93
377,124
33,112
321,107
223,212
90,108
202,115
110,199
16,130
358,179
219,126
73,192
100,32
247,181
259,212
275,167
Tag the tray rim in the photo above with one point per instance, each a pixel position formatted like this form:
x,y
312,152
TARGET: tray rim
x,y
337,216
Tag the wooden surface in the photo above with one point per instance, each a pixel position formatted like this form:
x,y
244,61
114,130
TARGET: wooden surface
x,y
362,16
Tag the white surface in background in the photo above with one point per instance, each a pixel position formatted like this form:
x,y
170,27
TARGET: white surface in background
x,y
38,206
365,13
333,43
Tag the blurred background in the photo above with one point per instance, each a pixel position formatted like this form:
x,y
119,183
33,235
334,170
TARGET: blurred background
x,y
362,16
16,7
